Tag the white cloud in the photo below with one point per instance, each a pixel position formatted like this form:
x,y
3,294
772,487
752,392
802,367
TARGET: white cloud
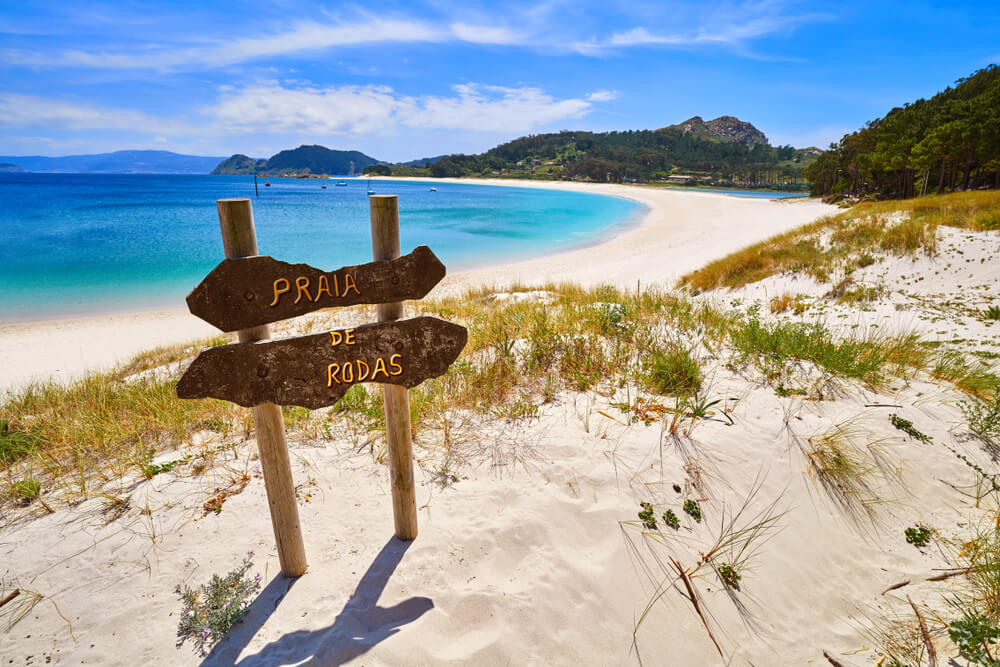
x,y
483,34
30,111
602,96
302,37
379,109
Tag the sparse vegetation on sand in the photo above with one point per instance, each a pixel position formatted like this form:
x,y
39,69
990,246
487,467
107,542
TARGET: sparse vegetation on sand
x,y
210,610
852,239
112,428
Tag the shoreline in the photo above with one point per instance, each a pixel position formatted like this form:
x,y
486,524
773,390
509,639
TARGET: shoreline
x,y
678,232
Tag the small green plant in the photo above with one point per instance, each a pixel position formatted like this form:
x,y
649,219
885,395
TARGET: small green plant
x,y
209,611
671,519
700,407
785,392
611,317
992,313
646,516
729,576
974,635
691,507
918,536
984,417
674,371
907,427
26,490
15,443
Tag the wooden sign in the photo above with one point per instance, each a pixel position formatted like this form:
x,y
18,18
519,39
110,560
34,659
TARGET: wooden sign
x,y
316,371
250,291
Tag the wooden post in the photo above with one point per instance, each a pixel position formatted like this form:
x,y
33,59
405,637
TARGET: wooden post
x,y
385,245
239,238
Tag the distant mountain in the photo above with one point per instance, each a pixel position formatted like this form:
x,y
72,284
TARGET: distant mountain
x,y
723,128
7,167
302,160
422,161
119,162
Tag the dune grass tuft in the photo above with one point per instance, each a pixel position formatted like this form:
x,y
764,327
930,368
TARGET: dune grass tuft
x,y
852,239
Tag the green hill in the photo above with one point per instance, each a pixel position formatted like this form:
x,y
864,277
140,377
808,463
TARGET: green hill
x,y
299,161
240,164
723,151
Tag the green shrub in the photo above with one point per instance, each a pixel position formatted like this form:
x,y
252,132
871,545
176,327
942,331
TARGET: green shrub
x,y
671,519
918,536
729,576
208,612
674,371
693,508
15,443
907,427
974,635
26,490
646,516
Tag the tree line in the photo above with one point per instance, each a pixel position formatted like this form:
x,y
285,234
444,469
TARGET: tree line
x,y
949,142
632,155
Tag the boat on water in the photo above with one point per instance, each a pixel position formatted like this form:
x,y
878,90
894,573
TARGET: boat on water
x,y
340,184
323,186
433,189
267,184
370,191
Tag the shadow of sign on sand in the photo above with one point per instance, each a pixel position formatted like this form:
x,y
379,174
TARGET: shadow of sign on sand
x,y
359,626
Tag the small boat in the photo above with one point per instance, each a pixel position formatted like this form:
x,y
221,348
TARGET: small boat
x,y
267,184
340,184
323,186
370,191
433,189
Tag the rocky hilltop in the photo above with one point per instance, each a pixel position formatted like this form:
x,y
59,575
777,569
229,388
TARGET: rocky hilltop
x,y
723,128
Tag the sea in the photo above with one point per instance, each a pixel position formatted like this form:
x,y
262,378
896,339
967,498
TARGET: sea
x,y
85,244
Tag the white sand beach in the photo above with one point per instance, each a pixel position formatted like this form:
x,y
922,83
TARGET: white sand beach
x,y
680,232
529,551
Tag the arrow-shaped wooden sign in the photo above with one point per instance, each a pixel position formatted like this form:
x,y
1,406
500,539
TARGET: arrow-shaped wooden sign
x,y
250,291
316,371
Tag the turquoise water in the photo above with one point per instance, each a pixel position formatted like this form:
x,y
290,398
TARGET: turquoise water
x,y
77,244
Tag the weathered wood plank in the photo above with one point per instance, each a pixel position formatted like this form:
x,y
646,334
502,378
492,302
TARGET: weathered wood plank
x,y
315,371
250,291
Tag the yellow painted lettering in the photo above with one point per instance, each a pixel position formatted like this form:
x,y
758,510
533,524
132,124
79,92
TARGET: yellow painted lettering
x,y
323,286
362,376
392,362
349,284
302,287
337,338
348,367
278,291
349,337
379,368
331,374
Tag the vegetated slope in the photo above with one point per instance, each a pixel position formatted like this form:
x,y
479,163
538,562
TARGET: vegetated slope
x,y
723,150
302,160
949,142
240,164
852,239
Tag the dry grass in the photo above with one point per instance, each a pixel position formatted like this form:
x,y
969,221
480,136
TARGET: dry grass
x,y
520,354
852,239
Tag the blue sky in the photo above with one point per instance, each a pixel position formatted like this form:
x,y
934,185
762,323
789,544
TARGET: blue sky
x,y
406,80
